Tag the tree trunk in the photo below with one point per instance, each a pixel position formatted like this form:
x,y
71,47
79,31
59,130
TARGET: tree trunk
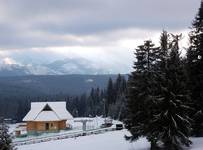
x,y
154,146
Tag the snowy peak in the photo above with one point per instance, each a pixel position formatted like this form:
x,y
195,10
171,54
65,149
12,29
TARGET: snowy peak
x,y
75,66
9,67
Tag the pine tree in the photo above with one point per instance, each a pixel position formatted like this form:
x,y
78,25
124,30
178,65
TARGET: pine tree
x,y
121,99
82,105
110,96
163,53
170,123
140,91
158,99
5,138
195,70
158,76
118,89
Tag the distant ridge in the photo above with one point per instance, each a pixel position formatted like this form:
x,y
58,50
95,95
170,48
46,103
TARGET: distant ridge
x,y
51,84
58,67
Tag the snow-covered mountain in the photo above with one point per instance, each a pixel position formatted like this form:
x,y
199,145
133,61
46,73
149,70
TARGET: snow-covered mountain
x,y
59,67
13,70
75,66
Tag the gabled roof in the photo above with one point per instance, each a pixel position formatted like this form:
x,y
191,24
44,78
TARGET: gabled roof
x,y
48,111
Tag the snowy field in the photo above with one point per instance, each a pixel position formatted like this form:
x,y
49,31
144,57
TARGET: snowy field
x,y
112,140
107,141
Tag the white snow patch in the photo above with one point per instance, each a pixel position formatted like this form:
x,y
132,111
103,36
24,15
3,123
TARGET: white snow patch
x,y
107,141
197,143
89,80
59,109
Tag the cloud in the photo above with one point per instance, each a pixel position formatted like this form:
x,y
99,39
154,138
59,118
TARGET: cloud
x,y
116,55
9,61
28,23
105,32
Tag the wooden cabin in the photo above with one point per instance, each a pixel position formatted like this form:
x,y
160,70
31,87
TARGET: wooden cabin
x,y
47,117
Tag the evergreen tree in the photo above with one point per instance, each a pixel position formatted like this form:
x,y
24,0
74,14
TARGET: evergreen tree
x,y
140,91
157,100
116,109
110,92
121,99
82,105
158,76
170,123
195,70
5,138
118,88
163,53
110,96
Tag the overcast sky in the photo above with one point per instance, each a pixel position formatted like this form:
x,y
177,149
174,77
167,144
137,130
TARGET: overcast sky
x,y
103,31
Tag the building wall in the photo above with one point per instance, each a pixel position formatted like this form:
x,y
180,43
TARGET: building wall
x,y
41,126
31,126
62,124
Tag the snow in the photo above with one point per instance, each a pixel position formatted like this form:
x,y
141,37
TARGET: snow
x,y
59,108
47,116
113,140
108,141
89,80
12,128
197,143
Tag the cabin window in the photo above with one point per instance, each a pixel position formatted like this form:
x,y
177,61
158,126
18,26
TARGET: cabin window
x,y
52,125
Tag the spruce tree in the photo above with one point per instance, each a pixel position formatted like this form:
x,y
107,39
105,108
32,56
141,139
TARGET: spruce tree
x,y
110,96
158,77
158,99
170,123
140,92
163,53
110,92
195,70
5,138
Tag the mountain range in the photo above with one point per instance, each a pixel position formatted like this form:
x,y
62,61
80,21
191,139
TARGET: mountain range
x,y
58,67
18,86
73,76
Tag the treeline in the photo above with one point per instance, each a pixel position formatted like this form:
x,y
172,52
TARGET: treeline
x,y
165,90
105,102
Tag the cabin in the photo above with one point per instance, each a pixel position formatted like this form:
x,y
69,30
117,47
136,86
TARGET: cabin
x,y
47,117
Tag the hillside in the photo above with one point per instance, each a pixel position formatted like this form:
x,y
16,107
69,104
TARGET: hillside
x,y
110,141
51,84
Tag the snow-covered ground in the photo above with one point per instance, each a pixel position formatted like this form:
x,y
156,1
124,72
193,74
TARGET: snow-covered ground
x,y
107,141
197,144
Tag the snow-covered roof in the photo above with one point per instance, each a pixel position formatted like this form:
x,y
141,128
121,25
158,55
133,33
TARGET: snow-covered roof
x,y
57,112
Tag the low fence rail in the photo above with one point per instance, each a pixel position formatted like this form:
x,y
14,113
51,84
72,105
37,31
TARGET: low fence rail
x,y
61,136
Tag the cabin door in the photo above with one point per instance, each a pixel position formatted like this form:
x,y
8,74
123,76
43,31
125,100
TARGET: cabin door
x,y
47,126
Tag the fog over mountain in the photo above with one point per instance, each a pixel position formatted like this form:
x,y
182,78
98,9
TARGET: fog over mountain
x,y
58,67
51,37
